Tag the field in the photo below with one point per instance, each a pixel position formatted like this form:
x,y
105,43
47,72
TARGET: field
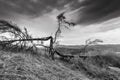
x,y
101,63
23,65
27,66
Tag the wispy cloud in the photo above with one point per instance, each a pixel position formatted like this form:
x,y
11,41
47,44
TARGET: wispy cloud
x,y
93,17
88,11
109,37
34,8
96,11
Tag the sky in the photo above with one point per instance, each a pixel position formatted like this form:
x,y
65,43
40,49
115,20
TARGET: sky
x,y
95,19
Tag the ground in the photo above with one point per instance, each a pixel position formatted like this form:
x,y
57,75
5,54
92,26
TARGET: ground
x,y
26,66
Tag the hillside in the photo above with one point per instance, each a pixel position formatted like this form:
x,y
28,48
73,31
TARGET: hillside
x,y
26,66
75,49
103,64
38,66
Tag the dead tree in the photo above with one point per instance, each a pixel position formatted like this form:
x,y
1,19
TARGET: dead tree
x,y
62,22
89,42
22,38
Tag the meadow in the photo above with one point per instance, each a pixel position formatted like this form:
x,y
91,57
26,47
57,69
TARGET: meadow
x,y
101,62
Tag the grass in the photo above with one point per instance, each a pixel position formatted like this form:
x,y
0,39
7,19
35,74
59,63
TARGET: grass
x,y
103,65
26,66
98,67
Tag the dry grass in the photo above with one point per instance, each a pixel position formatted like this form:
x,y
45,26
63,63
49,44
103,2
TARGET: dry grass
x,y
25,66
98,67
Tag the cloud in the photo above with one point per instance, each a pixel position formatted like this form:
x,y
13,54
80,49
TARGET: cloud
x,y
109,37
110,25
85,11
96,11
30,8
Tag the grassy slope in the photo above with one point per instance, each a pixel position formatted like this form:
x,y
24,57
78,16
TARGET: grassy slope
x,y
97,68
112,47
103,66
25,66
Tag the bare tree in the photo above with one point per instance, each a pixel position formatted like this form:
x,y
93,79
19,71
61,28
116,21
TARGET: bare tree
x,y
89,42
62,22
22,38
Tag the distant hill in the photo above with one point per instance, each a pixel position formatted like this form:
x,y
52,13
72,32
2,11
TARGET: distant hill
x,y
112,47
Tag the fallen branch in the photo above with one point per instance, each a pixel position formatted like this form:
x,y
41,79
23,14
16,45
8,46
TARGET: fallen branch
x,y
33,39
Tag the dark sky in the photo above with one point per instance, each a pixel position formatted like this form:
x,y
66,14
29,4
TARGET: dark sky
x,y
100,17
92,10
30,8
98,10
